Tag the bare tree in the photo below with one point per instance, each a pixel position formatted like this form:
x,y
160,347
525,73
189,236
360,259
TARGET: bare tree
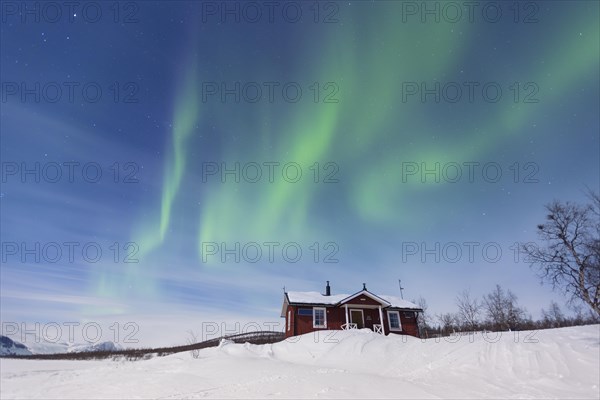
x,y
556,313
469,309
423,319
578,314
193,339
554,316
570,260
502,309
448,321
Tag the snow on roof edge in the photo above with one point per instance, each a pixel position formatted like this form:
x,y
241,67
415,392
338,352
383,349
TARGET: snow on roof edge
x,y
319,298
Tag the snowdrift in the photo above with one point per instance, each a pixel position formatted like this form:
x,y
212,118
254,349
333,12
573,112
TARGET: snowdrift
x,y
557,363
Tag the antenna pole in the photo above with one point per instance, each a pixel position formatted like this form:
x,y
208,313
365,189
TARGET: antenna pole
x,y
401,288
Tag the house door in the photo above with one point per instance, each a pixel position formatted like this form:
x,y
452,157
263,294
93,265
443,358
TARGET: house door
x,y
357,317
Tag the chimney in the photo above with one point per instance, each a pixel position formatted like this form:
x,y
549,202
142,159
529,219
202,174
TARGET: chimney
x,y
364,286
327,289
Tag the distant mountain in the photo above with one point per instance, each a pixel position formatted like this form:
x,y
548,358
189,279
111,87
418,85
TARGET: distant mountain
x,y
12,347
40,346
102,346
9,347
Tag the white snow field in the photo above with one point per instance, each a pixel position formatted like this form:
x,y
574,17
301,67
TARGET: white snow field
x,y
558,363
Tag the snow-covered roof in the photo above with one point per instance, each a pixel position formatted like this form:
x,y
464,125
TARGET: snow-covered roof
x,y
315,298
318,298
399,303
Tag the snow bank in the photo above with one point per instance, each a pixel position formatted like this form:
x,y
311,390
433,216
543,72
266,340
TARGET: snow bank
x,y
558,363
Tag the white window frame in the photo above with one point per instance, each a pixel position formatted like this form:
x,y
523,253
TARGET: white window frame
x,y
324,317
289,320
399,329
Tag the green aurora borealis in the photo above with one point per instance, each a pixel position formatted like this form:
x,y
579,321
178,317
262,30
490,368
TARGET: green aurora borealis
x,y
365,60
370,130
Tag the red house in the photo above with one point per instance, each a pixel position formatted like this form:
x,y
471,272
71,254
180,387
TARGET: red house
x,y
306,312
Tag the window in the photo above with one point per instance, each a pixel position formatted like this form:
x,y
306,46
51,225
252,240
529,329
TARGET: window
x,y
319,317
305,311
289,319
394,321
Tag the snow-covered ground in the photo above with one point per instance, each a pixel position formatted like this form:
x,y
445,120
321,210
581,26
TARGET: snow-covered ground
x,y
558,363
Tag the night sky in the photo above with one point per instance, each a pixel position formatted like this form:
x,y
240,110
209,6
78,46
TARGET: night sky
x,y
408,134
